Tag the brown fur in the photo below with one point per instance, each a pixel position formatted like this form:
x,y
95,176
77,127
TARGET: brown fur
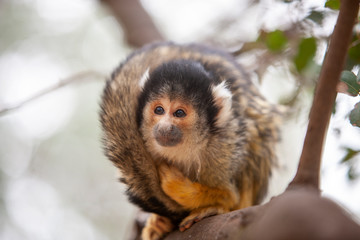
x,y
231,168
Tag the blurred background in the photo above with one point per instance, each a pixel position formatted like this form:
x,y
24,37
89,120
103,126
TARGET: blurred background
x,y
55,182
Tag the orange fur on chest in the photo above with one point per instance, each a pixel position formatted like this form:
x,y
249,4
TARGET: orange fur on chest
x,y
193,195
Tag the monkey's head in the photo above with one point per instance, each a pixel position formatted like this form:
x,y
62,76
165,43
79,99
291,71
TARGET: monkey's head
x,y
181,106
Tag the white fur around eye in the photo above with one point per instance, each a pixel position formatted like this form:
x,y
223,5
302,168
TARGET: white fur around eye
x,y
222,96
144,78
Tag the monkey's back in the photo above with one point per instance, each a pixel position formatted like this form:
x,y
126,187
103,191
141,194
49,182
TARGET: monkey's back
x,y
123,142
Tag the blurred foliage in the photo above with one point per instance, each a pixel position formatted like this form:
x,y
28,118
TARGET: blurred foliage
x,y
352,88
349,159
333,4
302,46
306,53
276,40
354,51
355,115
352,83
316,16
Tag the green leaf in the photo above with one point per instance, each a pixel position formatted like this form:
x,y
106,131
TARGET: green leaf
x,y
276,40
305,54
354,53
353,86
348,160
350,154
355,115
316,16
333,4
352,174
333,111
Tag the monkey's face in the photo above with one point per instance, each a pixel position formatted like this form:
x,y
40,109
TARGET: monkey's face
x,y
168,123
180,107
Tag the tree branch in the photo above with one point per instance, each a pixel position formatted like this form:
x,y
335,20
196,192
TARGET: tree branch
x,y
295,215
138,27
74,78
308,172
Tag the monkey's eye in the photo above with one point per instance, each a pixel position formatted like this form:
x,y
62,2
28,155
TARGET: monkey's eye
x,y
159,111
179,113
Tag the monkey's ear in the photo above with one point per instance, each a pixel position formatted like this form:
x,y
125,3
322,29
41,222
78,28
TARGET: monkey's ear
x,y
222,96
144,78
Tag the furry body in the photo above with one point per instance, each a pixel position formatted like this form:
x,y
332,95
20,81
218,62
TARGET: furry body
x,y
217,159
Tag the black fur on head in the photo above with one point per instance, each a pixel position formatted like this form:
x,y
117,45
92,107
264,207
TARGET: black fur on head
x,y
186,80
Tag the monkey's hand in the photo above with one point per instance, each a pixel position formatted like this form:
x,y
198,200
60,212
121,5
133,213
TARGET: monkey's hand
x,y
156,227
201,200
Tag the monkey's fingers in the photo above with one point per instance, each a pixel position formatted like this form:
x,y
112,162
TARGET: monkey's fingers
x,y
156,227
199,214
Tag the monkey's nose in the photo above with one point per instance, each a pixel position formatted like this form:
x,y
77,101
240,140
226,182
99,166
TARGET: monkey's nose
x,y
167,136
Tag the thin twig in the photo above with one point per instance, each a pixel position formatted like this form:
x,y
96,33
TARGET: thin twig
x,y
87,75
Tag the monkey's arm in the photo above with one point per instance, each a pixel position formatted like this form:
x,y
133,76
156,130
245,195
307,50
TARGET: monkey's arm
x,y
200,199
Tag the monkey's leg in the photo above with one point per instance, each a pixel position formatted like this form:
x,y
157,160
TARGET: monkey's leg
x,y
156,227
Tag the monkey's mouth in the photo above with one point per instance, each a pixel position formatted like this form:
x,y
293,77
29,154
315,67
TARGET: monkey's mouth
x,y
167,141
167,137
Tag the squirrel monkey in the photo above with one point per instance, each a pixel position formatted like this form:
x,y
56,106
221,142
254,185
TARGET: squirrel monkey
x,y
190,133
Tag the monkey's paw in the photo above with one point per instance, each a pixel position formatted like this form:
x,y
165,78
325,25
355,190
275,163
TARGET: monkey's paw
x,y
156,227
199,214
